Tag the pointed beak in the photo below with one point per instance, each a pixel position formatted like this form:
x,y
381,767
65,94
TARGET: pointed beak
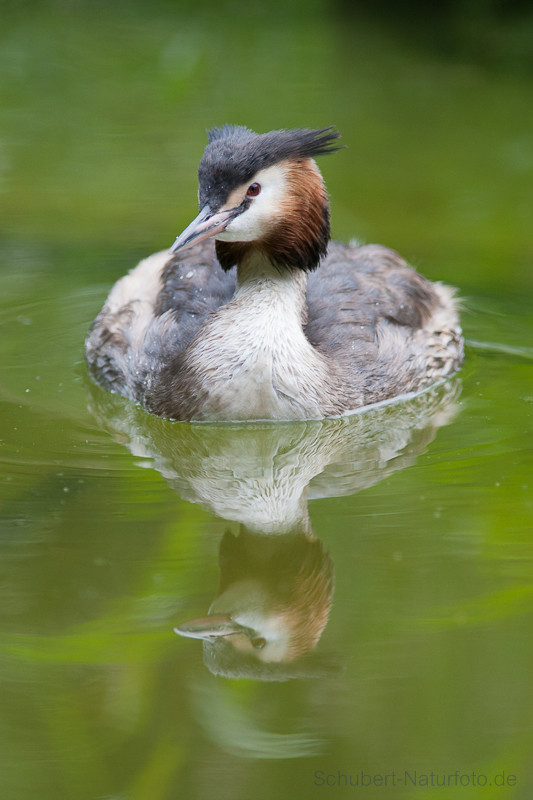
x,y
208,223
210,627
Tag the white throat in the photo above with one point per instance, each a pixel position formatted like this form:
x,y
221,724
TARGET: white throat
x,y
278,290
253,357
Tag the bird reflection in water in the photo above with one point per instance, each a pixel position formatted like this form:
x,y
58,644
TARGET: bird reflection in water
x,y
273,602
276,577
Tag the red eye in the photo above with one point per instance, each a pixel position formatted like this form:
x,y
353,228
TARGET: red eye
x,y
253,190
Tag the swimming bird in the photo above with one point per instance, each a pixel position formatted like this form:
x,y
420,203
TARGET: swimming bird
x,y
236,322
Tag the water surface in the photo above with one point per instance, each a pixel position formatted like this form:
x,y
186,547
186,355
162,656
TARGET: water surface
x,y
396,545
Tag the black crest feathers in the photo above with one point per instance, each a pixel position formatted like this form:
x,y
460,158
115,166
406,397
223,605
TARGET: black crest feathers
x,y
299,142
234,154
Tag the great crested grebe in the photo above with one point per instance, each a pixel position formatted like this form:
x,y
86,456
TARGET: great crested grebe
x,y
235,324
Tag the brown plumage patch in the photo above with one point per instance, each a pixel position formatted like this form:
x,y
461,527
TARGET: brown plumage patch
x,y
300,239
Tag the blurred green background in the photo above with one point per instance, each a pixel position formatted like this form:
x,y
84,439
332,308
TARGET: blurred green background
x,y
103,112
104,108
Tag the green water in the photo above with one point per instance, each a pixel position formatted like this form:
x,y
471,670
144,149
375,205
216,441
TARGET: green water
x,y
113,524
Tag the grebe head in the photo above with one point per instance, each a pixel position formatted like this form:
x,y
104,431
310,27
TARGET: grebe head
x,y
263,192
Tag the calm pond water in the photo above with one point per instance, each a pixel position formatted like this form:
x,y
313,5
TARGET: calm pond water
x,y
395,546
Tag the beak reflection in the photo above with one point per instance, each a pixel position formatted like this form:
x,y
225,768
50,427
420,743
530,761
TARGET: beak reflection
x,y
210,627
